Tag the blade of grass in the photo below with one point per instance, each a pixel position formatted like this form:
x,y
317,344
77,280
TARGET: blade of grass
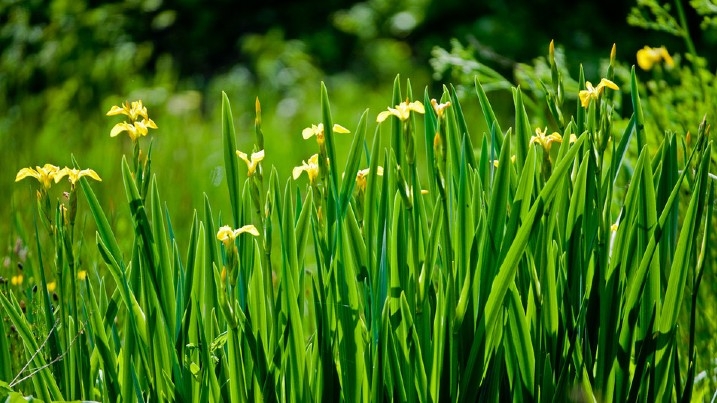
x,y
230,158
522,129
166,296
490,119
462,128
521,342
352,164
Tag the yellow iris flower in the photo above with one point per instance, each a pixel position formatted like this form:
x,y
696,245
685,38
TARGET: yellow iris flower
x,y
401,111
251,162
439,108
361,177
134,110
136,128
647,57
311,168
318,131
545,140
45,174
591,92
227,235
75,174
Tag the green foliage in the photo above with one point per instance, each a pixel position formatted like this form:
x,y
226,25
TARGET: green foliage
x,y
650,14
531,279
676,95
69,49
539,264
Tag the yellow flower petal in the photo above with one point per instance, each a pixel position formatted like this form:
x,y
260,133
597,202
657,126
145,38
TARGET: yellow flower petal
x,y
296,172
251,162
311,168
362,174
584,98
119,128
607,83
137,110
225,233
25,172
339,129
140,129
667,58
382,116
402,111
116,110
150,123
247,229
257,156
314,130
647,57
417,106
554,137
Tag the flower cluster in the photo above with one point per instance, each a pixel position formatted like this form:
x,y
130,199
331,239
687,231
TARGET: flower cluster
x,y
49,173
136,128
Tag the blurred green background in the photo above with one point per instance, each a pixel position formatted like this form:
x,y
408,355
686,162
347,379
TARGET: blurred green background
x,y
64,63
